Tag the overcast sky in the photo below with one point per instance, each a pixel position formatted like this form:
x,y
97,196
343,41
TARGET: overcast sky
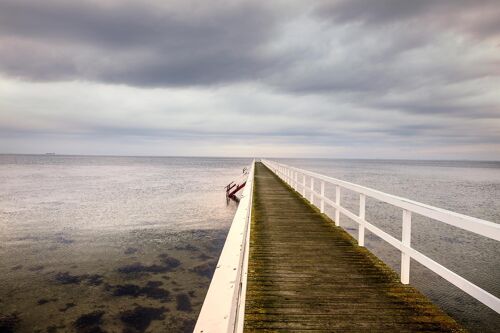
x,y
354,78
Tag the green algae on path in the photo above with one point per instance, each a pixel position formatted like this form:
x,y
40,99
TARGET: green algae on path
x,y
306,274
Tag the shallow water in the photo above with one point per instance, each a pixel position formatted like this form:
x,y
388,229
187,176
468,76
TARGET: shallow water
x,y
109,244
471,188
128,244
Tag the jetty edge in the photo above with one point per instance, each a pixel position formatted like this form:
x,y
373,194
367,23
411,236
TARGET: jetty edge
x,y
286,266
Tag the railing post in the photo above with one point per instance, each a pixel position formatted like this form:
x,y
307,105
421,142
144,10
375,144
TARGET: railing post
x,y
304,185
406,240
337,210
322,205
361,227
296,183
312,191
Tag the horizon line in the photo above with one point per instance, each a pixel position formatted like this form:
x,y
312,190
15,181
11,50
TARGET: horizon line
x,y
249,157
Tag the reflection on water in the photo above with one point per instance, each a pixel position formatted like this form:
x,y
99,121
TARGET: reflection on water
x,y
109,244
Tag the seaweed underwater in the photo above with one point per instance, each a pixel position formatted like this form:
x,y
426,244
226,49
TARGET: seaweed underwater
x,y
149,288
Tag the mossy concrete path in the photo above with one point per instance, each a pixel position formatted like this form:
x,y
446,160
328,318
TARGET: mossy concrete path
x,y
305,274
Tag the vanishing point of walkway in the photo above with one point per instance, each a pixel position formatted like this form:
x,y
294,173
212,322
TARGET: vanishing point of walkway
x,y
305,274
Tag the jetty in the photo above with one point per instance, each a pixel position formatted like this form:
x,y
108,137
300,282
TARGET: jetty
x,y
287,266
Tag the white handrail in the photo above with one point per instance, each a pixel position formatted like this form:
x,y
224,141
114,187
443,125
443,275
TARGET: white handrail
x,y
481,227
224,307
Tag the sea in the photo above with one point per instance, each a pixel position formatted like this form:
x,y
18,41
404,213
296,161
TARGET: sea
x,y
129,244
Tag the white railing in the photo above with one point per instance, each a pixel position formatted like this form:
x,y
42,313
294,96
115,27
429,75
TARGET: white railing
x,y
296,178
224,306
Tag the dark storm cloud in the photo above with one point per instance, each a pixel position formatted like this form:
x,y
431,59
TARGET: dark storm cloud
x,y
135,43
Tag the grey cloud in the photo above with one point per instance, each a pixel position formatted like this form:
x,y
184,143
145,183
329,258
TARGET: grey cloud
x,y
135,43
175,44
361,63
446,106
480,18
373,12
